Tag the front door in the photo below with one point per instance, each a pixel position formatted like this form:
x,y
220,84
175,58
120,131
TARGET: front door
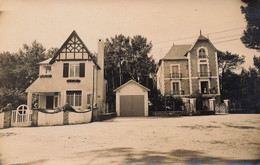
x,y
49,102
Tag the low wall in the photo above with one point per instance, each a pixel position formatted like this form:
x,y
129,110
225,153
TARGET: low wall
x,y
166,113
77,118
2,116
43,118
46,119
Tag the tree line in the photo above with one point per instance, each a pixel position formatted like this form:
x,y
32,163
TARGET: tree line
x,y
18,70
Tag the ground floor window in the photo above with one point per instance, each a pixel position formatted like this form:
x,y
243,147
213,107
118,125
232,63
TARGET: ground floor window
x,y
175,87
204,87
74,98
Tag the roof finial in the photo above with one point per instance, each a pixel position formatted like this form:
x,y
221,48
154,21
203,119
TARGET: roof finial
x,y
200,32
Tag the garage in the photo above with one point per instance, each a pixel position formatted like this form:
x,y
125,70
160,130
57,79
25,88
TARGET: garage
x,y
132,100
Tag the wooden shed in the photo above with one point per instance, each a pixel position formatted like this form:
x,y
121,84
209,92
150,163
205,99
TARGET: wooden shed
x,y
131,99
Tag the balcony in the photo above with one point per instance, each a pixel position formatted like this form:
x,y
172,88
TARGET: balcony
x,y
175,75
209,91
178,92
204,74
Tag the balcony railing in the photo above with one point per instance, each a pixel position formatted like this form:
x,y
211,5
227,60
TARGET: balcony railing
x,y
202,56
204,74
178,92
175,75
209,91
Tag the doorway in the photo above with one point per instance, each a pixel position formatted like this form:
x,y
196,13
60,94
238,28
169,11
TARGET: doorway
x,y
49,102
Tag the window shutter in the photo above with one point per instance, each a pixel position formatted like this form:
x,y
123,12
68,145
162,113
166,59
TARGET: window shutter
x,y
66,70
82,70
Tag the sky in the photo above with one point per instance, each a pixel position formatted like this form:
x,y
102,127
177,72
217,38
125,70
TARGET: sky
x,y
163,22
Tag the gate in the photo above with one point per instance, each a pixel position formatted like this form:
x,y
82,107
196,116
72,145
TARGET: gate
x,y
221,108
22,116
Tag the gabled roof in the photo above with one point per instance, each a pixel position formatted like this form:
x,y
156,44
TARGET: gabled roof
x,y
202,38
74,34
177,52
131,82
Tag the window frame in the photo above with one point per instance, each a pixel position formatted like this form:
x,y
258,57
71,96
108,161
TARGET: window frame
x,y
74,70
74,97
179,70
179,82
206,52
209,86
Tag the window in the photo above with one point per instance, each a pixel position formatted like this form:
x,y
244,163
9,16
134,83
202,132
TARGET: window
x,y
204,87
46,70
74,70
55,101
74,98
175,71
175,87
202,53
89,99
203,70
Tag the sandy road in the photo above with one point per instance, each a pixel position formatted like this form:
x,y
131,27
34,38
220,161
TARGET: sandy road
x,y
198,139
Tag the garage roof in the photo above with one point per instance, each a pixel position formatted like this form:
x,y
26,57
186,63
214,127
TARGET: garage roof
x,y
129,82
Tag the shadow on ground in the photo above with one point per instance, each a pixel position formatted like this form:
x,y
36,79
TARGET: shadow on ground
x,y
131,156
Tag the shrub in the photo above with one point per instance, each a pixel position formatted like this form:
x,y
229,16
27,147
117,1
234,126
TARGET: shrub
x,y
11,98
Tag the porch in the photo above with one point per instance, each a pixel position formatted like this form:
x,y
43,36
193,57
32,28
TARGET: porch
x,y
44,100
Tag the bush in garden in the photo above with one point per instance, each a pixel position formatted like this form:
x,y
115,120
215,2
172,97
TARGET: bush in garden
x,y
10,99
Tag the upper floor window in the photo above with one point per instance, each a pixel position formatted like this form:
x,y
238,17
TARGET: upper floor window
x,y
175,71
202,53
74,70
204,70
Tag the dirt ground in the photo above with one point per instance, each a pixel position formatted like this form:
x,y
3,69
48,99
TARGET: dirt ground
x,y
218,139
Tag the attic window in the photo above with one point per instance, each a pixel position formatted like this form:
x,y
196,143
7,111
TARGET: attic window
x,y
202,53
45,70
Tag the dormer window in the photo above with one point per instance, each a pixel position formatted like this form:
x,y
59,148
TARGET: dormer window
x,y
202,53
45,70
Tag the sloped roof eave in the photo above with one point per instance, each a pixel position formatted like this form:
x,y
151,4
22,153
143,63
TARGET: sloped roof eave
x,y
128,82
38,87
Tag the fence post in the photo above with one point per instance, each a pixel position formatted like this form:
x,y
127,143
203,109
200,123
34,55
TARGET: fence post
x,y
186,104
226,101
211,104
193,105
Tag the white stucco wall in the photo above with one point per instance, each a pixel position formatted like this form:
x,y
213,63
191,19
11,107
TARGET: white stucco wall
x,y
45,119
76,118
58,83
132,89
2,115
